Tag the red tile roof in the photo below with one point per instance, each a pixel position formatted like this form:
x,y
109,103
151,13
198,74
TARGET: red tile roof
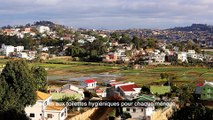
x,y
128,87
200,84
89,81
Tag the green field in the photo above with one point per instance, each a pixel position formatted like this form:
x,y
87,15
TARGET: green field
x,y
184,74
144,76
160,89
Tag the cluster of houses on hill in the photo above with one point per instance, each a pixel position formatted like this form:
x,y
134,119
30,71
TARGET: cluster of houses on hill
x,y
21,32
116,52
17,51
152,56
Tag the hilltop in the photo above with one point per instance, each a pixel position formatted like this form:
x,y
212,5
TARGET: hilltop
x,y
194,27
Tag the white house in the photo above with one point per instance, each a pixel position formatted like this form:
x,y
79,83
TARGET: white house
x,y
182,56
19,48
89,84
128,90
7,49
43,29
144,112
23,55
140,113
160,58
90,38
45,109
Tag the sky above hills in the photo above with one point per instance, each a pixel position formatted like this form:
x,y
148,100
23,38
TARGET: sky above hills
x,y
108,14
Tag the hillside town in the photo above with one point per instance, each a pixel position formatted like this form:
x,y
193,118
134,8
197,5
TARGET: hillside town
x,y
136,50
114,46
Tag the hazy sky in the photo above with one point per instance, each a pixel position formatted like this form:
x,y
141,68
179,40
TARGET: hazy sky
x,y
109,14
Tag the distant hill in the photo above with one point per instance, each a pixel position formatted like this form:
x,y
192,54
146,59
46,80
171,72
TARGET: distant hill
x,y
194,27
44,23
50,24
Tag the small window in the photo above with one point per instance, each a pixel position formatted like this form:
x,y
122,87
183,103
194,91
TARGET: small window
x,y
32,115
134,110
45,103
142,110
49,115
62,114
127,109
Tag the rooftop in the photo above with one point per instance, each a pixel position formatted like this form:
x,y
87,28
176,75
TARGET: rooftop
x,y
209,83
89,81
42,96
145,98
54,106
129,87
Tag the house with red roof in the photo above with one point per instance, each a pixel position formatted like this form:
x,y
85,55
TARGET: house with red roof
x,y
89,83
129,90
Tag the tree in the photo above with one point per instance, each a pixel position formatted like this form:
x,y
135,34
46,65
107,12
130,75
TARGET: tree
x,y
127,115
185,94
145,90
125,39
151,43
40,76
13,115
75,51
18,88
193,112
115,35
137,42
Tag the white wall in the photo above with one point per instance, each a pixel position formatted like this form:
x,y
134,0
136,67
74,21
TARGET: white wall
x,y
182,56
140,112
19,48
37,109
43,29
90,85
56,115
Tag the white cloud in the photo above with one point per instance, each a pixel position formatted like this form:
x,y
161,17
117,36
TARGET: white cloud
x,y
109,13
47,2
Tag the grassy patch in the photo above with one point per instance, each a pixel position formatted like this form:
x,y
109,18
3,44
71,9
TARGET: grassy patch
x,y
160,89
58,96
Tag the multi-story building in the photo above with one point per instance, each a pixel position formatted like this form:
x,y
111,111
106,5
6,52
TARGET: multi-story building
x,y
143,112
45,109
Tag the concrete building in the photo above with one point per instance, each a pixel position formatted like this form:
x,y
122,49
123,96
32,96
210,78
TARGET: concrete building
x,y
144,112
46,109
128,90
88,84
182,56
42,29
7,49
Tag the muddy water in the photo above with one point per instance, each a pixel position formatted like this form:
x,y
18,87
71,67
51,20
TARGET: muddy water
x,y
69,78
